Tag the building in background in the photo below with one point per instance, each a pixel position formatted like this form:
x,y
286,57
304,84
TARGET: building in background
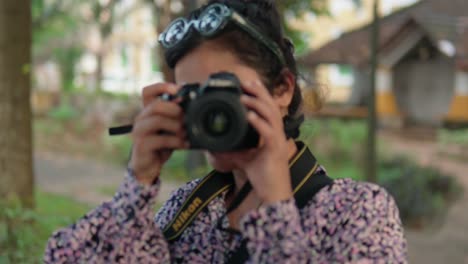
x,y
345,15
422,76
130,60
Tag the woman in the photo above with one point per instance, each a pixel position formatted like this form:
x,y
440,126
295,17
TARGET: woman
x,y
344,221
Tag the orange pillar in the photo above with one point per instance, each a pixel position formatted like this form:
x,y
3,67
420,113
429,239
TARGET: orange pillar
x,y
459,107
386,102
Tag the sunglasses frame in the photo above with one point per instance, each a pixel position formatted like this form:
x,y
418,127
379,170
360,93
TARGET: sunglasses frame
x,y
225,15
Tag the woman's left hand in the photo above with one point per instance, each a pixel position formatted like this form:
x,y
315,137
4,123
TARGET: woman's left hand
x,y
267,166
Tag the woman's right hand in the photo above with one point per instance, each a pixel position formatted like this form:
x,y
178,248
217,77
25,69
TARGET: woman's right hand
x,y
151,148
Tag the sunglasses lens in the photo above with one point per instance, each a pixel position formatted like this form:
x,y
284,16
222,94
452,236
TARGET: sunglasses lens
x,y
211,20
175,33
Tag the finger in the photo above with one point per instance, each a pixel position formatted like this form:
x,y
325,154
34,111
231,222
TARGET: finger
x,y
163,108
152,125
261,108
263,128
153,91
257,89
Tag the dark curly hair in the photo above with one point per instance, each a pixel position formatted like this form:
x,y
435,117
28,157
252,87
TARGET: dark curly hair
x,y
264,14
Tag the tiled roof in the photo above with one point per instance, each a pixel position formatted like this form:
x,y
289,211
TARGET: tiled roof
x,y
440,19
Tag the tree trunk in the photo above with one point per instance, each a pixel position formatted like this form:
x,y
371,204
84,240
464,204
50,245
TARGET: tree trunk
x,y
15,110
99,72
163,17
168,73
371,170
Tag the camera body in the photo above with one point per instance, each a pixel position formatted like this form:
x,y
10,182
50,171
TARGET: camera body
x,y
215,119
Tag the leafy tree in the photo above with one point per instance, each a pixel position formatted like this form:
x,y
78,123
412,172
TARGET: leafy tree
x,y
296,9
104,17
55,36
67,58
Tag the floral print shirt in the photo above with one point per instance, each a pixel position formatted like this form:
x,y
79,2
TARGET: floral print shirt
x,y
346,222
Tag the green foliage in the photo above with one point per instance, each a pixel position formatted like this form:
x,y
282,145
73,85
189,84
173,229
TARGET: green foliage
x,y
52,20
457,137
64,112
297,8
358,3
119,147
421,193
68,59
338,145
176,168
24,232
55,27
299,39
47,127
112,95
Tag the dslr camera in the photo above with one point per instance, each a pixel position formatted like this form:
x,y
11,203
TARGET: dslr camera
x,y
215,119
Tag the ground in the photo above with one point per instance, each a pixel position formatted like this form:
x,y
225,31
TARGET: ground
x,y
85,180
91,182
449,243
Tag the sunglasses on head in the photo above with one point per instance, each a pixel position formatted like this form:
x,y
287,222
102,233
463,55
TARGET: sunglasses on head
x,y
212,21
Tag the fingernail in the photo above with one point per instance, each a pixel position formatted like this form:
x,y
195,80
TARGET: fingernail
x,y
252,114
173,88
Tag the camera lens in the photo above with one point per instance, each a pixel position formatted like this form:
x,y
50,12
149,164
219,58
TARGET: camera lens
x,y
216,123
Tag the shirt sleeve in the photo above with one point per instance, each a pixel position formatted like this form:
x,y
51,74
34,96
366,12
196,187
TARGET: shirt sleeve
x,y
119,231
356,224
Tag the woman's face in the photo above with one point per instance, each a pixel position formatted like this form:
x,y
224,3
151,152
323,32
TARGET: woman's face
x,y
196,67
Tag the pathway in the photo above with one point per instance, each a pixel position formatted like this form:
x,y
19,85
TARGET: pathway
x,y
85,180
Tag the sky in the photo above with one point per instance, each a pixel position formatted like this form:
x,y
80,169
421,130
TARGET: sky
x,y
387,5
337,6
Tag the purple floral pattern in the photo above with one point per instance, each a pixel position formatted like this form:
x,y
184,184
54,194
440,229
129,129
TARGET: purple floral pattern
x,y
346,222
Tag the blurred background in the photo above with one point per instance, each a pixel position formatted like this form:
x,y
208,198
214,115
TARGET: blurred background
x,y
394,74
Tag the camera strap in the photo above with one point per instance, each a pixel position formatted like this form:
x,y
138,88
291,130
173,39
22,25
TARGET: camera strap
x,y
304,194
305,180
